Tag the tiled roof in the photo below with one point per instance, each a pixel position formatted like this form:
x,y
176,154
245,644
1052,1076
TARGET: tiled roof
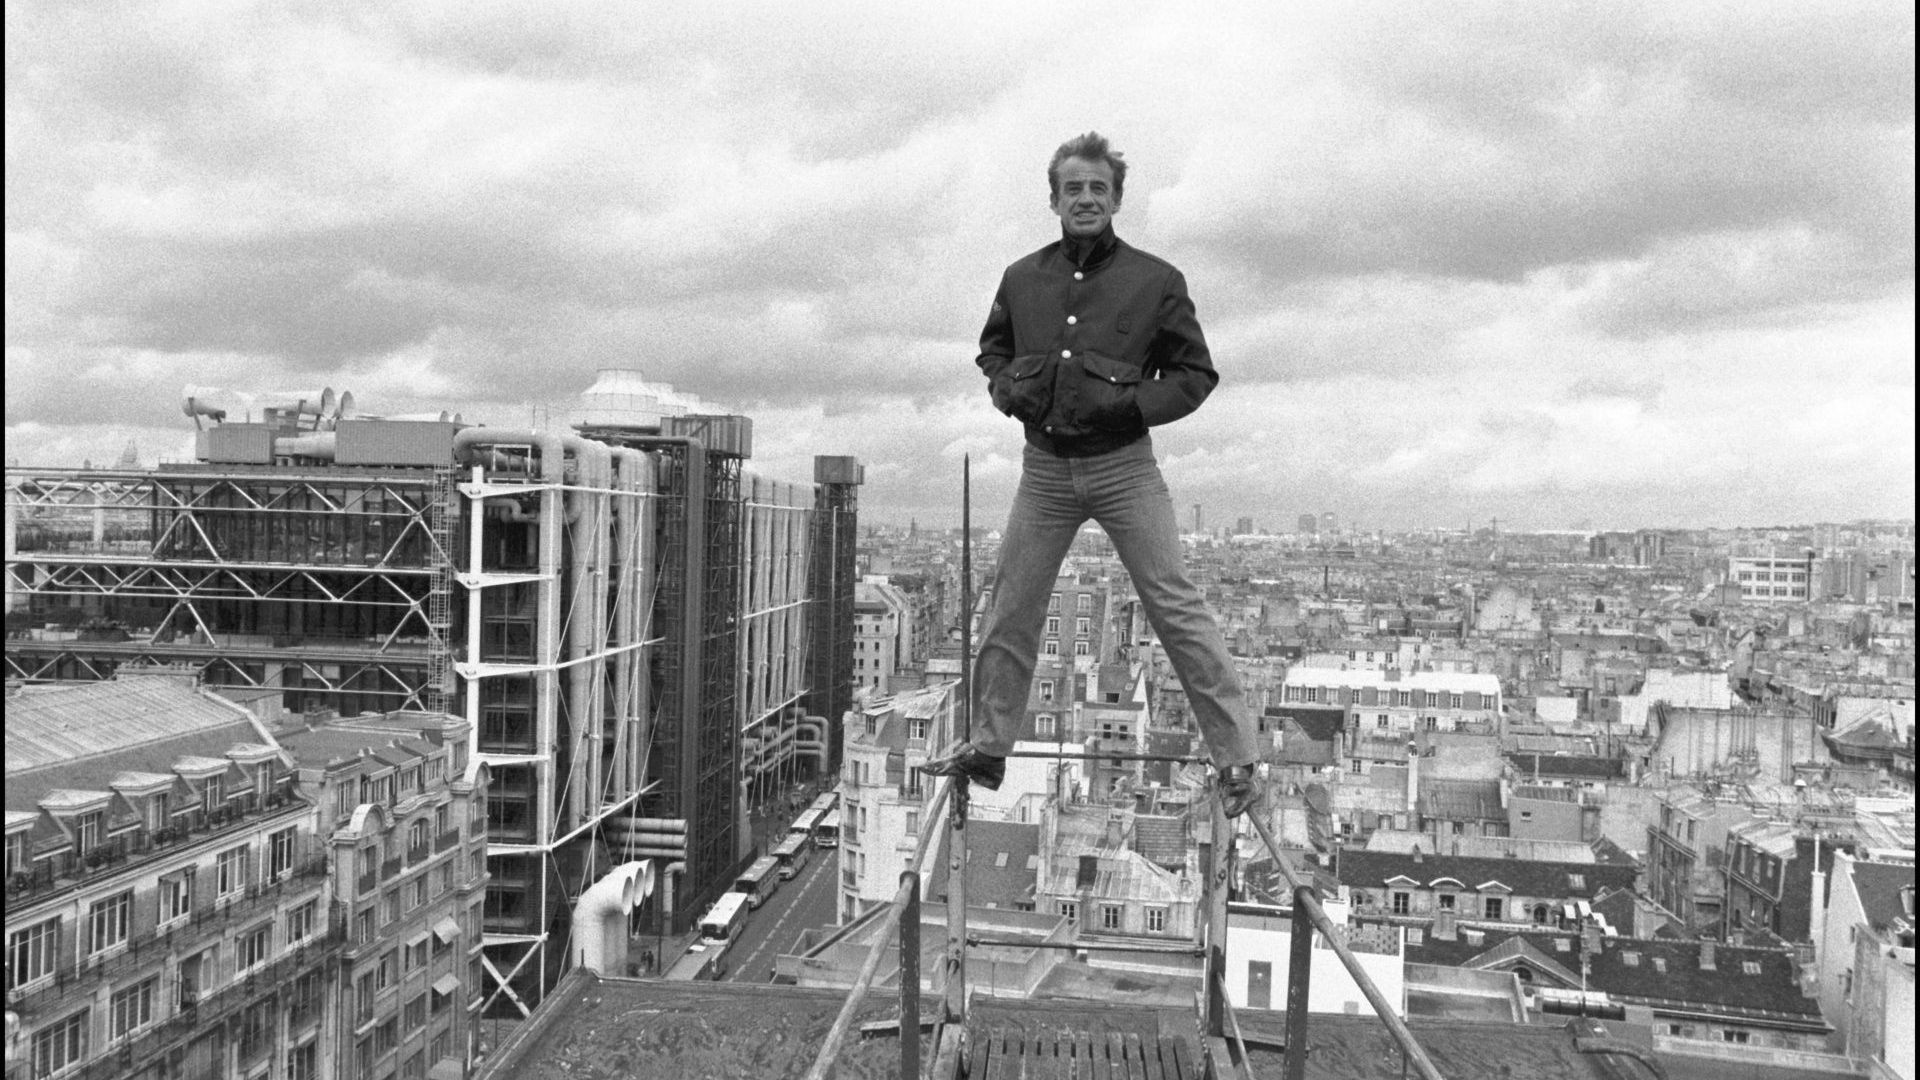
x,y
1461,800
1360,868
66,724
1001,858
1161,839
76,738
1878,886
1569,766
1754,983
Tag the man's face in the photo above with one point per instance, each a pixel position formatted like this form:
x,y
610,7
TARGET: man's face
x,y
1085,200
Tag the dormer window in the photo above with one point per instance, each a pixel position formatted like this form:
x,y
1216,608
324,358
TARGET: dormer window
x,y
89,831
210,795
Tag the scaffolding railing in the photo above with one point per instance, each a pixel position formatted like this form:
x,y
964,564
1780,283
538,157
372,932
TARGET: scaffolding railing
x,y
905,900
1310,917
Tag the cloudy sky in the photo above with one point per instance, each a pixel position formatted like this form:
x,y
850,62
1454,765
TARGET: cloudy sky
x,y
1627,264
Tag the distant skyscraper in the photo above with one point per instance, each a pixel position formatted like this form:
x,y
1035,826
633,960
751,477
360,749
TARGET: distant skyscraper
x,y
1309,523
1329,524
1199,522
1243,527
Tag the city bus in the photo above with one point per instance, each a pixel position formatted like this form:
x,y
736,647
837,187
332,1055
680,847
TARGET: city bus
x,y
803,825
791,853
719,927
827,802
759,880
827,833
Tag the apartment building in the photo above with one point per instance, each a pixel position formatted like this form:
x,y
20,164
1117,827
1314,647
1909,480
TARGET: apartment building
x,y
883,793
1769,580
405,821
883,632
1389,702
170,911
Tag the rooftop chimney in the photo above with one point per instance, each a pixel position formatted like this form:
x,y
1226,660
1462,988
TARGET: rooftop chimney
x,y
1706,956
1413,781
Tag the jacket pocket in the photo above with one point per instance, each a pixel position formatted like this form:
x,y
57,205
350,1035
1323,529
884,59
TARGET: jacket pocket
x,y
1025,391
1106,392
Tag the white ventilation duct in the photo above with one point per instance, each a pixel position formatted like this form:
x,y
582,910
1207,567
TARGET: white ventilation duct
x,y
600,917
321,402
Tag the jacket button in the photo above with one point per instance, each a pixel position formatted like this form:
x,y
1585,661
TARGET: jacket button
x,y
1078,276
1048,429
1071,319
1066,354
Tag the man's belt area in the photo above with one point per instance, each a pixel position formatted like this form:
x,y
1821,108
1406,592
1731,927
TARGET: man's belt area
x,y
1073,405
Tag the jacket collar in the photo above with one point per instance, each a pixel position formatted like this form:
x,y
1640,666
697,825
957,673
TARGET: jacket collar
x,y
1091,251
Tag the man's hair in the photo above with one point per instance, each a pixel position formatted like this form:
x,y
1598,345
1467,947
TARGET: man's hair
x,y
1089,147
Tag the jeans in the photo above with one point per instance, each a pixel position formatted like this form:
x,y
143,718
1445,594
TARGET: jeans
x,y
1124,492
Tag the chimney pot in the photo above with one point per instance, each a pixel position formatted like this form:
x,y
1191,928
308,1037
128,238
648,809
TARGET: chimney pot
x,y
1707,958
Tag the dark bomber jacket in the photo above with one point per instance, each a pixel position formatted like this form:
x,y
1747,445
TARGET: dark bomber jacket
x,y
1091,343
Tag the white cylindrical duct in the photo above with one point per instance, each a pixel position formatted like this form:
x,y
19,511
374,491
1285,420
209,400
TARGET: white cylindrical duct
x,y
586,624
319,444
600,917
321,402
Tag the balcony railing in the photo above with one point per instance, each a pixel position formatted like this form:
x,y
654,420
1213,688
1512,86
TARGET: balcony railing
x,y
446,841
52,877
209,1008
76,979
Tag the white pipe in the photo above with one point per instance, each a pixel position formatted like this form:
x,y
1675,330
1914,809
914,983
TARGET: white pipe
x,y
599,942
320,445
587,625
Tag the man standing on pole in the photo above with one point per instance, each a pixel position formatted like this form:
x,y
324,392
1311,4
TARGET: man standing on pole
x,y
1090,343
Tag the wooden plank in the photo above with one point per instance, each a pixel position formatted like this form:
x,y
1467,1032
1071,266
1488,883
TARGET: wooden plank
x,y
1176,1051
1135,1057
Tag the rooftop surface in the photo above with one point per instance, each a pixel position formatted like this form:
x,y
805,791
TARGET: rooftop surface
x,y
82,737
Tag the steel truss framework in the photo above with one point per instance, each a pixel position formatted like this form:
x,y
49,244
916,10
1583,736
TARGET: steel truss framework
x,y
328,581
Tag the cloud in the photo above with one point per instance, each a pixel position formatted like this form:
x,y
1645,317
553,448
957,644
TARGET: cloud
x,y
1533,256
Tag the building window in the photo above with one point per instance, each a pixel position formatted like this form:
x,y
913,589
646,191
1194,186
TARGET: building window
x,y
416,1013
300,921
1083,627
1733,1036
89,831
108,922
1110,915
386,1037
417,840
1052,647
131,1009
1053,624
1069,910
1156,920
303,1062
230,872
1081,648
1493,906
254,946
1053,603
210,795
60,1045
416,955
280,853
30,953
16,852
1402,903
1446,901
917,729
1046,689
1044,725
1083,603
